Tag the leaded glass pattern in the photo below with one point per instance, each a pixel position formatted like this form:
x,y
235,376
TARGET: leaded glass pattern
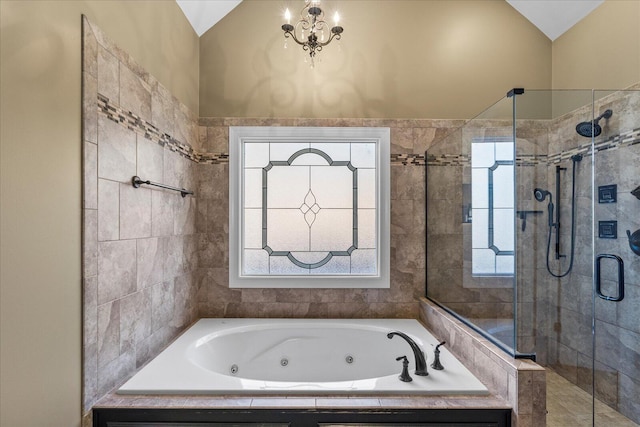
x,y
493,207
309,207
303,215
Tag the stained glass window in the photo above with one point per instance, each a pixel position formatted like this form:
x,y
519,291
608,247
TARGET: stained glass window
x,y
310,206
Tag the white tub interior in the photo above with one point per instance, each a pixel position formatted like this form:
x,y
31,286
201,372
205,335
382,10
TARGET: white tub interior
x,y
283,356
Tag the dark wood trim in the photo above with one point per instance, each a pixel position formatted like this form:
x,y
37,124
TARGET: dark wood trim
x,y
134,417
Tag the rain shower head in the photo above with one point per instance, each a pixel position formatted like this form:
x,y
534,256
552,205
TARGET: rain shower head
x,y
588,129
541,194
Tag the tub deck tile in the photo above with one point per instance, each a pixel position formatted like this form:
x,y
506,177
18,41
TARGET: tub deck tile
x,y
216,402
444,402
280,402
413,402
113,400
355,402
146,401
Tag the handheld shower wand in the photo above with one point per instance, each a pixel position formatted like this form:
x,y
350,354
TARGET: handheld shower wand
x,y
540,195
554,224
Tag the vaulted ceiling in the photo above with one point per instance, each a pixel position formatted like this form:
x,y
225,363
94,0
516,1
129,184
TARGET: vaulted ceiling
x,y
552,17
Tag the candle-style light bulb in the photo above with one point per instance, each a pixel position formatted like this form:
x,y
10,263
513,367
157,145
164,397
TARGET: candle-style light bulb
x,y
336,19
287,16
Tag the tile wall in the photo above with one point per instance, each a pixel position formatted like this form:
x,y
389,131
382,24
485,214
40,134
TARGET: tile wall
x,y
520,382
139,245
409,140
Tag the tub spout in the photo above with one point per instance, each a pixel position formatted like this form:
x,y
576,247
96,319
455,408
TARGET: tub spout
x,y
421,363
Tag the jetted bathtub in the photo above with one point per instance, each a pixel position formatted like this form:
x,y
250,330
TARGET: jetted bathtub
x,y
286,356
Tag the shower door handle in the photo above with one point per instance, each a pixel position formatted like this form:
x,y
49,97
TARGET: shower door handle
x,y
620,295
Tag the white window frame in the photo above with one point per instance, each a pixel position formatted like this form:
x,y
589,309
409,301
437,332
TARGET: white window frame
x,y
239,135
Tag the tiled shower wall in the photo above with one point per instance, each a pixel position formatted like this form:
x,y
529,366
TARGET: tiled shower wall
x,y
139,245
488,301
449,277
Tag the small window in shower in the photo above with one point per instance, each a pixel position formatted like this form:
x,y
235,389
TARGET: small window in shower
x,y
492,201
309,207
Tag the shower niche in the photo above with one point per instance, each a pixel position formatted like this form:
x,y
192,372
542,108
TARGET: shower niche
x,y
540,175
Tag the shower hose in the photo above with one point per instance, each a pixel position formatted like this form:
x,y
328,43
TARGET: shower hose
x,y
573,224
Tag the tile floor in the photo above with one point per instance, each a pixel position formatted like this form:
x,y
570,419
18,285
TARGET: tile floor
x,y
570,406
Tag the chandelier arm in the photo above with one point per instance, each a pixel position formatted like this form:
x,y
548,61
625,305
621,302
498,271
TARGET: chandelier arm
x,y
333,36
291,34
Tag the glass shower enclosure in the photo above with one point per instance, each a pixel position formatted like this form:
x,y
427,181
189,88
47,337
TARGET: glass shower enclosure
x,y
533,238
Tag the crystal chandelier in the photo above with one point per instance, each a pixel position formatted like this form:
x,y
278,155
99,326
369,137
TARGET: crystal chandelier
x,y
312,31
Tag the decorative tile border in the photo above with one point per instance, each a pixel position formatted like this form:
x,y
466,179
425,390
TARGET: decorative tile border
x,y
149,131
407,159
531,159
213,158
134,123
617,141
448,160
464,160
144,128
626,139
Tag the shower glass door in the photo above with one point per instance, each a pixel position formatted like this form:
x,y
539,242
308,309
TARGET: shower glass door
x,y
470,204
615,364
578,163
533,211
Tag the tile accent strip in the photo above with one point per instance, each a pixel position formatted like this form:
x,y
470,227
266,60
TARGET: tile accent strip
x,y
149,131
617,141
408,159
614,142
144,128
449,160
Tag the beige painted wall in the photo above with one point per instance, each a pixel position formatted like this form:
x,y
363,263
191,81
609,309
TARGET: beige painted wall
x,y
399,59
40,355
602,51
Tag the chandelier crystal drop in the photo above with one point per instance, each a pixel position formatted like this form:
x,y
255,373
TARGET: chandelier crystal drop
x,y
312,32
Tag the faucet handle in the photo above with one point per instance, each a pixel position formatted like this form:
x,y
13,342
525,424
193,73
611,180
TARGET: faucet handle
x,y
404,376
436,359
